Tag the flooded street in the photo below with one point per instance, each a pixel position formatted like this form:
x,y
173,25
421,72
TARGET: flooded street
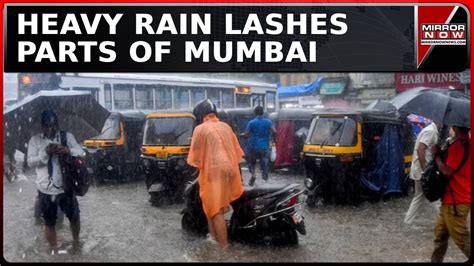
x,y
120,225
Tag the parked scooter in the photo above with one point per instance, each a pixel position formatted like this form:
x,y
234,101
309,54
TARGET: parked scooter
x,y
267,214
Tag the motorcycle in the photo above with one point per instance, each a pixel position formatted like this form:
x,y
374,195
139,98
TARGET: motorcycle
x,y
267,214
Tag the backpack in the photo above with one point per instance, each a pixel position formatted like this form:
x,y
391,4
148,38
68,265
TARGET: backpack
x,y
433,182
76,179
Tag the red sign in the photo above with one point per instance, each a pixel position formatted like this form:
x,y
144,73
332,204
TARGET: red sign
x,y
405,81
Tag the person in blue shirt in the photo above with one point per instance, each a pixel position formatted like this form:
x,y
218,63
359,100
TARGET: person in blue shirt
x,y
258,131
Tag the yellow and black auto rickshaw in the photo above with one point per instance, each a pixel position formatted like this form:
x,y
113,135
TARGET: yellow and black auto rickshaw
x,y
165,148
115,153
355,155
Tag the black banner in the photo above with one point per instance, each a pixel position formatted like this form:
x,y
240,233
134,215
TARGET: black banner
x,y
229,38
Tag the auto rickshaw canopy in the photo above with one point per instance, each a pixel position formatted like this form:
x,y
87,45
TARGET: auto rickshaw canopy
x,y
364,115
295,114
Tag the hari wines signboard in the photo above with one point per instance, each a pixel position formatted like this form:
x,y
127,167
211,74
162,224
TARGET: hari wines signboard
x,y
405,81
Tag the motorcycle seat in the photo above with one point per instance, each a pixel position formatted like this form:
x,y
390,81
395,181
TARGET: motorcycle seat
x,y
255,192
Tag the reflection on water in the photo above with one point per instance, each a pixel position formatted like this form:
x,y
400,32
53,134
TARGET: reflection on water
x,y
120,225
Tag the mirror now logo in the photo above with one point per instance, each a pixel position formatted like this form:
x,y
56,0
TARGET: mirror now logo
x,y
443,34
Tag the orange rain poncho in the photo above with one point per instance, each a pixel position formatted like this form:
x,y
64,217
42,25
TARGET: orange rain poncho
x,y
216,152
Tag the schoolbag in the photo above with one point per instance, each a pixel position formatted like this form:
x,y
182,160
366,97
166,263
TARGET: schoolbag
x,y
433,182
76,179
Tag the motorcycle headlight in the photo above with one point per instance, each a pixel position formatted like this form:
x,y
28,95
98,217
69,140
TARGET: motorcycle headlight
x,y
308,182
181,163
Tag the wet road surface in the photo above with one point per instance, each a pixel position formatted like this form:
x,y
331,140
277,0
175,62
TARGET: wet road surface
x,y
120,225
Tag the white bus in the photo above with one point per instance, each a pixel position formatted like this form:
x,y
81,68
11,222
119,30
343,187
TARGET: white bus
x,y
163,92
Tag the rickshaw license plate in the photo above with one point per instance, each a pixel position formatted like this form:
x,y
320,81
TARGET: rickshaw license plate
x,y
162,154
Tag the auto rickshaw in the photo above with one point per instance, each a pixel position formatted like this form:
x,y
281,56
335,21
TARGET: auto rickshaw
x,y
165,148
292,125
115,153
356,155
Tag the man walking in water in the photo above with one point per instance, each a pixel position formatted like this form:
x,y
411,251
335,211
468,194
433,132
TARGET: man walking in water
x,y
44,150
258,130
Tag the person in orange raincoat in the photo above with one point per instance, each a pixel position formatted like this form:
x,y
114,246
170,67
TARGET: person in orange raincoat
x,y
216,152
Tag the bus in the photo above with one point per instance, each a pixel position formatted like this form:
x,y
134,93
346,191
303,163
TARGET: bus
x,y
126,91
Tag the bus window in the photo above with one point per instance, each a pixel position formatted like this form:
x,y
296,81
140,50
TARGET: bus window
x,y
258,99
123,96
243,100
214,96
181,98
144,97
108,96
197,94
271,101
163,97
227,99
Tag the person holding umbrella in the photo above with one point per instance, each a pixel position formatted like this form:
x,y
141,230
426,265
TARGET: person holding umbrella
x,y
44,150
422,155
452,108
456,201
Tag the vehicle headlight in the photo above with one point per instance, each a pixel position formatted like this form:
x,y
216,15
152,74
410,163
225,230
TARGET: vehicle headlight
x,y
146,163
308,182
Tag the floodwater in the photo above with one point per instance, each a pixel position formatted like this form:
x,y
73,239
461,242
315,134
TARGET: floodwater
x,y
120,225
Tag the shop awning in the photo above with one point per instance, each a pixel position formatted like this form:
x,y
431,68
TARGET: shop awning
x,y
299,90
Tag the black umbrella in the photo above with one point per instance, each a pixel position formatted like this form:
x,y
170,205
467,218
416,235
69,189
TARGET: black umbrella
x,y
449,107
382,105
78,112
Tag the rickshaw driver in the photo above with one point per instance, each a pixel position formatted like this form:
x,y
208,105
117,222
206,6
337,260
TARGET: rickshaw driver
x,y
259,130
